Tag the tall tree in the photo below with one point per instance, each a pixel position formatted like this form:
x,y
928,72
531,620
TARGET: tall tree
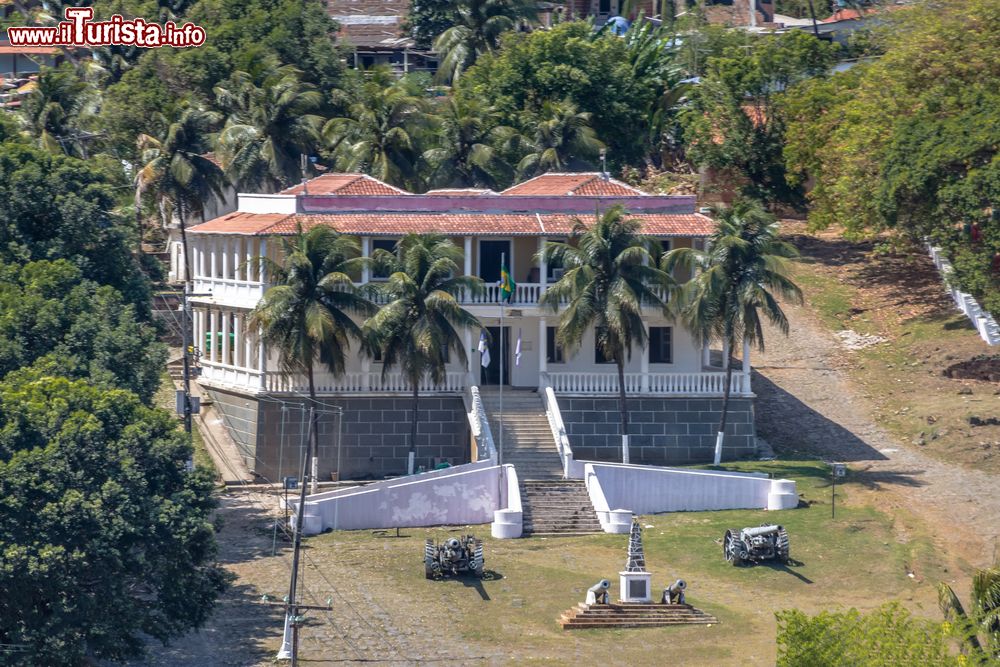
x,y
466,154
176,172
980,625
271,126
306,316
106,539
51,110
477,31
734,281
381,132
561,138
609,276
423,318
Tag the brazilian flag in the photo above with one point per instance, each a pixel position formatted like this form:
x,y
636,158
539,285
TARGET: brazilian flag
x,y
507,285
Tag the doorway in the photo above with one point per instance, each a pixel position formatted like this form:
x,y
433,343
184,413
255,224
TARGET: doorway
x,y
490,255
490,375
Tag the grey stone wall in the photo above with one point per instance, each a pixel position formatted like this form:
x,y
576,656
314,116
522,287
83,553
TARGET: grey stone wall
x,y
664,431
373,431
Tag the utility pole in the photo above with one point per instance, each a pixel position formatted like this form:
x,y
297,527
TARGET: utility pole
x,y
290,644
188,410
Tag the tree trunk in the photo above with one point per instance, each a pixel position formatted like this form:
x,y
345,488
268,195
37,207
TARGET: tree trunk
x,y
725,406
187,262
623,408
411,457
313,446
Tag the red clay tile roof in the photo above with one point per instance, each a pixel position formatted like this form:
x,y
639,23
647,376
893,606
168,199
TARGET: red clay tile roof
x,y
586,184
456,224
240,223
345,184
7,49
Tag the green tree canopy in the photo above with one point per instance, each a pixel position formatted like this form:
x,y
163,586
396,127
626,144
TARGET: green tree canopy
x,y
59,207
104,538
75,328
598,75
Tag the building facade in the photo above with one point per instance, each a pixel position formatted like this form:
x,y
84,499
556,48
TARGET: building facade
x,y
677,384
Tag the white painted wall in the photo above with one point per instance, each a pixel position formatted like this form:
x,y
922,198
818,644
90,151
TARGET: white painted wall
x,y
253,203
655,489
463,495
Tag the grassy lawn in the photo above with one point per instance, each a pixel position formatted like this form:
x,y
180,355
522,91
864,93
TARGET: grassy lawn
x,y
901,299
165,399
856,559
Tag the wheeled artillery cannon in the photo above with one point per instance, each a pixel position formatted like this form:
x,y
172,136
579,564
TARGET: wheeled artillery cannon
x,y
766,542
453,556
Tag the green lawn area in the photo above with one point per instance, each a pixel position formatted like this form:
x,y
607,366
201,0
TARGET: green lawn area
x,y
853,560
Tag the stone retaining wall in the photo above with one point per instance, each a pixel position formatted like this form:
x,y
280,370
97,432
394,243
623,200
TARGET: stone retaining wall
x,y
374,433
664,431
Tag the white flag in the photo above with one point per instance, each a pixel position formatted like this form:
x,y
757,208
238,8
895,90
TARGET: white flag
x,y
517,349
484,349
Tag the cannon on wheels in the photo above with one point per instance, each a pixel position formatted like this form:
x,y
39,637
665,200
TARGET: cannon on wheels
x,y
753,545
454,556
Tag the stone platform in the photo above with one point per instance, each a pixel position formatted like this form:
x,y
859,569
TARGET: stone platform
x,y
587,617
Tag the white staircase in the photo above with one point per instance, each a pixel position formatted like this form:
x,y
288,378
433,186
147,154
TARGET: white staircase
x,y
527,437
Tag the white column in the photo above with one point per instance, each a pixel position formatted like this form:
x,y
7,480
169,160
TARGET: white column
x,y
238,360
543,350
725,354
366,368
199,328
366,251
225,257
468,262
706,354
543,266
226,347
263,256
213,322
746,366
237,253
248,359
644,365
203,256
248,261
262,361
214,256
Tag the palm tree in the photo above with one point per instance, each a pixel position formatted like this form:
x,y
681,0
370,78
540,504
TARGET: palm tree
x,y
52,108
380,134
465,155
609,276
562,137
421,321
177,172
477,31
270,128
984,618
739,275
306,314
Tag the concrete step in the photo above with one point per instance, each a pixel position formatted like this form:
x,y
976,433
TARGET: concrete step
x,y
626,615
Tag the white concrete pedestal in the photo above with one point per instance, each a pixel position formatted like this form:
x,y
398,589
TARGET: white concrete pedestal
x,y
635,586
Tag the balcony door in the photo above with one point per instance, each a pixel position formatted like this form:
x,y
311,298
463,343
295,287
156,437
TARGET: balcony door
x,y
490,254
490,375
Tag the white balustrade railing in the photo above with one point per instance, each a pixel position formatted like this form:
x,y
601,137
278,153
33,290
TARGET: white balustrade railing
x,y
984,322
230,375
660,384
525,294
479,422
231,292
359,382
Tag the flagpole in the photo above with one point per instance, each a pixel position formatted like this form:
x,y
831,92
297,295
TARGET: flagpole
x,y
503,262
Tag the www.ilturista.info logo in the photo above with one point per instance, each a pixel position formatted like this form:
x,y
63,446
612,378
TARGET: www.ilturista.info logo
x,y
79,30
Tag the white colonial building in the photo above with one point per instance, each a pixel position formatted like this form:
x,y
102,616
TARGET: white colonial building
x,y
676,386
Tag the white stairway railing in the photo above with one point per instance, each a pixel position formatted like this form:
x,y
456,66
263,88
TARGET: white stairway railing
x,y
479,423
364,382
572,469
661,384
